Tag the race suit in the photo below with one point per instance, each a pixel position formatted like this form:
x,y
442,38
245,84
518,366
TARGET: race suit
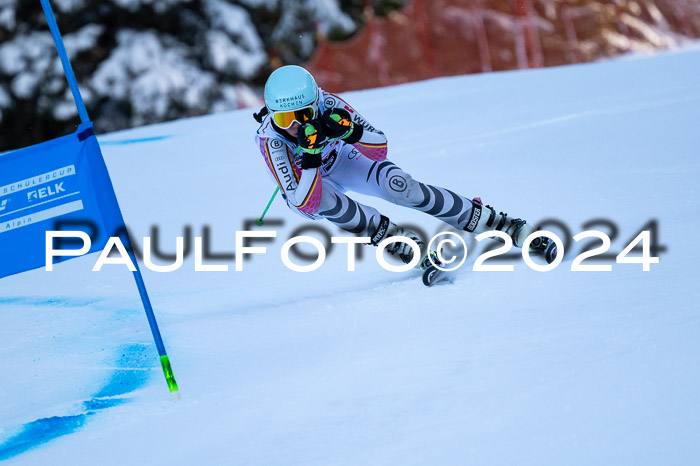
x,y
361,167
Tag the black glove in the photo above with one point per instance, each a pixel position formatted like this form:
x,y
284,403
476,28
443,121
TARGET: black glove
x,y
338,125
311,139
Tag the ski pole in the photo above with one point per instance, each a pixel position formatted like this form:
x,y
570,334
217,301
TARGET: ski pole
x,y
259,221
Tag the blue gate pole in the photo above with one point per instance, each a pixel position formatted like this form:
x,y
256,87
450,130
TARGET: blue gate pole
x,y
67,69
73,84
153,324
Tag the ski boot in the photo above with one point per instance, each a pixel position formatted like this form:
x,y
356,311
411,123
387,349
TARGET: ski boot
x,y
401,250
429,260
432,275
484,218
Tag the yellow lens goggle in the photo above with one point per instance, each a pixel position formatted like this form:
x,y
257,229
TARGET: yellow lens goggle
x,y
285,119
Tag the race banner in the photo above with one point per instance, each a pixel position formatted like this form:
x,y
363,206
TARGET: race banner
x,y
62,184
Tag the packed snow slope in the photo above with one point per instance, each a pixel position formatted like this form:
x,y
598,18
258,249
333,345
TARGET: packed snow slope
x,y
370,367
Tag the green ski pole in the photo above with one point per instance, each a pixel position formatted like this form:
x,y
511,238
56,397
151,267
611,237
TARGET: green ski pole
x,y
259,221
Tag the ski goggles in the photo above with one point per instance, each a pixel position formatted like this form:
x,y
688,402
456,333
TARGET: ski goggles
x,y
286,119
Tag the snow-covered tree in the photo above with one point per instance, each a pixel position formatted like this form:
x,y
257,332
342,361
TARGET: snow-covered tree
x,y
143,61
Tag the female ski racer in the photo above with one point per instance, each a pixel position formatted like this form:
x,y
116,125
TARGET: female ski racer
x,y
317,147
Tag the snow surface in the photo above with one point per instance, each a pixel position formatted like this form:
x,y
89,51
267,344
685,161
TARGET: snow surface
x,y
370,367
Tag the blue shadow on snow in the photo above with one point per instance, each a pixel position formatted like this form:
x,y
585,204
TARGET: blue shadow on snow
x,y
132,373
122,142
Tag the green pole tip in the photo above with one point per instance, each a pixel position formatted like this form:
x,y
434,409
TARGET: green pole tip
x,y
168,371
259,222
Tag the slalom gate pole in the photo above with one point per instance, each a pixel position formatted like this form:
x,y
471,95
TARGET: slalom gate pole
x,y
67,69
153,324
259,220
84,118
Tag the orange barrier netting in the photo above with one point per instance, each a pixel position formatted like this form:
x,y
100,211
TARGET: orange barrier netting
x,y
433,38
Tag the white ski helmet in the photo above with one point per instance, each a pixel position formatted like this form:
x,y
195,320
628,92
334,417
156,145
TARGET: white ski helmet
x,y
290,87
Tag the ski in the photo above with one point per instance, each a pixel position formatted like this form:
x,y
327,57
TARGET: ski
x,y
431,274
